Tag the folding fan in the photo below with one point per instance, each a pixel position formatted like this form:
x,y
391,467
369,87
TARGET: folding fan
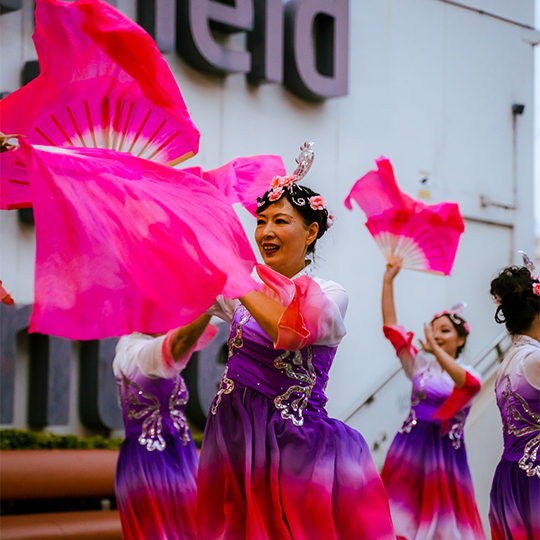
x,y
425,236
114,90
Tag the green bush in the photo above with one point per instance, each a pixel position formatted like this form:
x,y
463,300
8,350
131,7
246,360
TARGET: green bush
x,y
18,439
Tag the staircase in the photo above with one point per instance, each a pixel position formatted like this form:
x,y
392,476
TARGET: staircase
x,y
382,412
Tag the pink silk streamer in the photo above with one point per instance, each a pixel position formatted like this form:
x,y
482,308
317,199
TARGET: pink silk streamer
x,y
244,179
124,244
303,321
433,229
103,83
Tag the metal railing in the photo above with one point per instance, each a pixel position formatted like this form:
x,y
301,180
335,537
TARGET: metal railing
x,y
486,363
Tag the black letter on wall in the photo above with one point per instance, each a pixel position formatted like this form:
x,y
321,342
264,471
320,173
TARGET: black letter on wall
x,y
265,42
49,381
317,48
158,18
196,42
98,395
10,5
13,320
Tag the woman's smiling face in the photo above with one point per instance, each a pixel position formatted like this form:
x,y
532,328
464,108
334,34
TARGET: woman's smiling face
x,y
446,336
283,237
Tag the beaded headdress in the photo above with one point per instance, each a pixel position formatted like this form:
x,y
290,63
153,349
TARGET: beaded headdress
x,y
529,265
453,313
298,195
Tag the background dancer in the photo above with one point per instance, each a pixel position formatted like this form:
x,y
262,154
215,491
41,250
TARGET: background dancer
x,y
426,472
273,465
515,494
156,476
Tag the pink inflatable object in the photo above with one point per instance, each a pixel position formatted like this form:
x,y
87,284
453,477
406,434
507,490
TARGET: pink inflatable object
x,y
124,244
103,84
425,236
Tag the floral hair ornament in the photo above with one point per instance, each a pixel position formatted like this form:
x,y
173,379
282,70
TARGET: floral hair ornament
x,y
299,195
454,313
529,265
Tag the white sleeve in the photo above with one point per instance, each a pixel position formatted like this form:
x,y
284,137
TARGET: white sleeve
x,y
531,367
335,314
139,352
223,309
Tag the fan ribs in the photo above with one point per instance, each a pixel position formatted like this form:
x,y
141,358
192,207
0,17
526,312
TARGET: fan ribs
x,y
126,125
76,126
90,124
45,136
140,130
168,141
62,131
152,137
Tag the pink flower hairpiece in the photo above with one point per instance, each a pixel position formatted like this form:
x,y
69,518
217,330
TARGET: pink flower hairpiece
x,y
317,203
453,313
536,289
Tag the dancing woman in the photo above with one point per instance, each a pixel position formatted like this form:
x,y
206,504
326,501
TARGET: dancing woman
x,y
273,465
515,494
426,472
156,475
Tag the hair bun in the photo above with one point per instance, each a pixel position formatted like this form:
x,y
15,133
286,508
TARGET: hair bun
x,y
518,305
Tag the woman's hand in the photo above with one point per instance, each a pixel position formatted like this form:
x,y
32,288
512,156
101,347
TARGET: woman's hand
x,y
393,266
430,345
447,363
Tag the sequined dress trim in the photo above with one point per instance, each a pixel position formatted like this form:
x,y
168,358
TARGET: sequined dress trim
x,y
416,397
293,410
140,404
291,403
226,386
532,425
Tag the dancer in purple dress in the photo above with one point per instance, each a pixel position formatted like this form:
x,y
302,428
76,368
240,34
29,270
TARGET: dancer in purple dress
x,y
426,472
273,465
156,475
515,494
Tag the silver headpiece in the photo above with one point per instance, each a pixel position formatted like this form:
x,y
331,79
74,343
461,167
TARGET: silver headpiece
x,y
527,263
304,161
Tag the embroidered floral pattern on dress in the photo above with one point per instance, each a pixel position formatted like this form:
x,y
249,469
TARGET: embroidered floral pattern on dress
x,y
416,397
226,386
177,403
140,404
456,430
293,410
532,420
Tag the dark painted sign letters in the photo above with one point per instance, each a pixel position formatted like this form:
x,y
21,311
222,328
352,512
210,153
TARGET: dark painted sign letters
x,y
50,375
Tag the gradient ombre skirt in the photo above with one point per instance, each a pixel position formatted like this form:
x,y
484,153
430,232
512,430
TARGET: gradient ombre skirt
x,y
157,491
430,487
514,513
263,478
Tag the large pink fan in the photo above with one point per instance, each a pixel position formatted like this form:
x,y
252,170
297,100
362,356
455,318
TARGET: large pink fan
x,y
124,244
425,236
103,84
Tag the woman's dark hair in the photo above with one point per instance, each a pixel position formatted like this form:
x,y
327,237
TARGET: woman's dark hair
x,y
518,306
298,196
461,326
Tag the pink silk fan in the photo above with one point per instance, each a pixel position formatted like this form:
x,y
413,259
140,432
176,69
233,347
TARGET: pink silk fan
x,y
425,236
114,90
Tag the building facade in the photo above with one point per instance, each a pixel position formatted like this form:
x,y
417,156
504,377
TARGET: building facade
x,y
442,88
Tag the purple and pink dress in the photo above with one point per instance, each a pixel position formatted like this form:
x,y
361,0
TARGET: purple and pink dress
x,y
426,472
273,465
156,475
515,493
